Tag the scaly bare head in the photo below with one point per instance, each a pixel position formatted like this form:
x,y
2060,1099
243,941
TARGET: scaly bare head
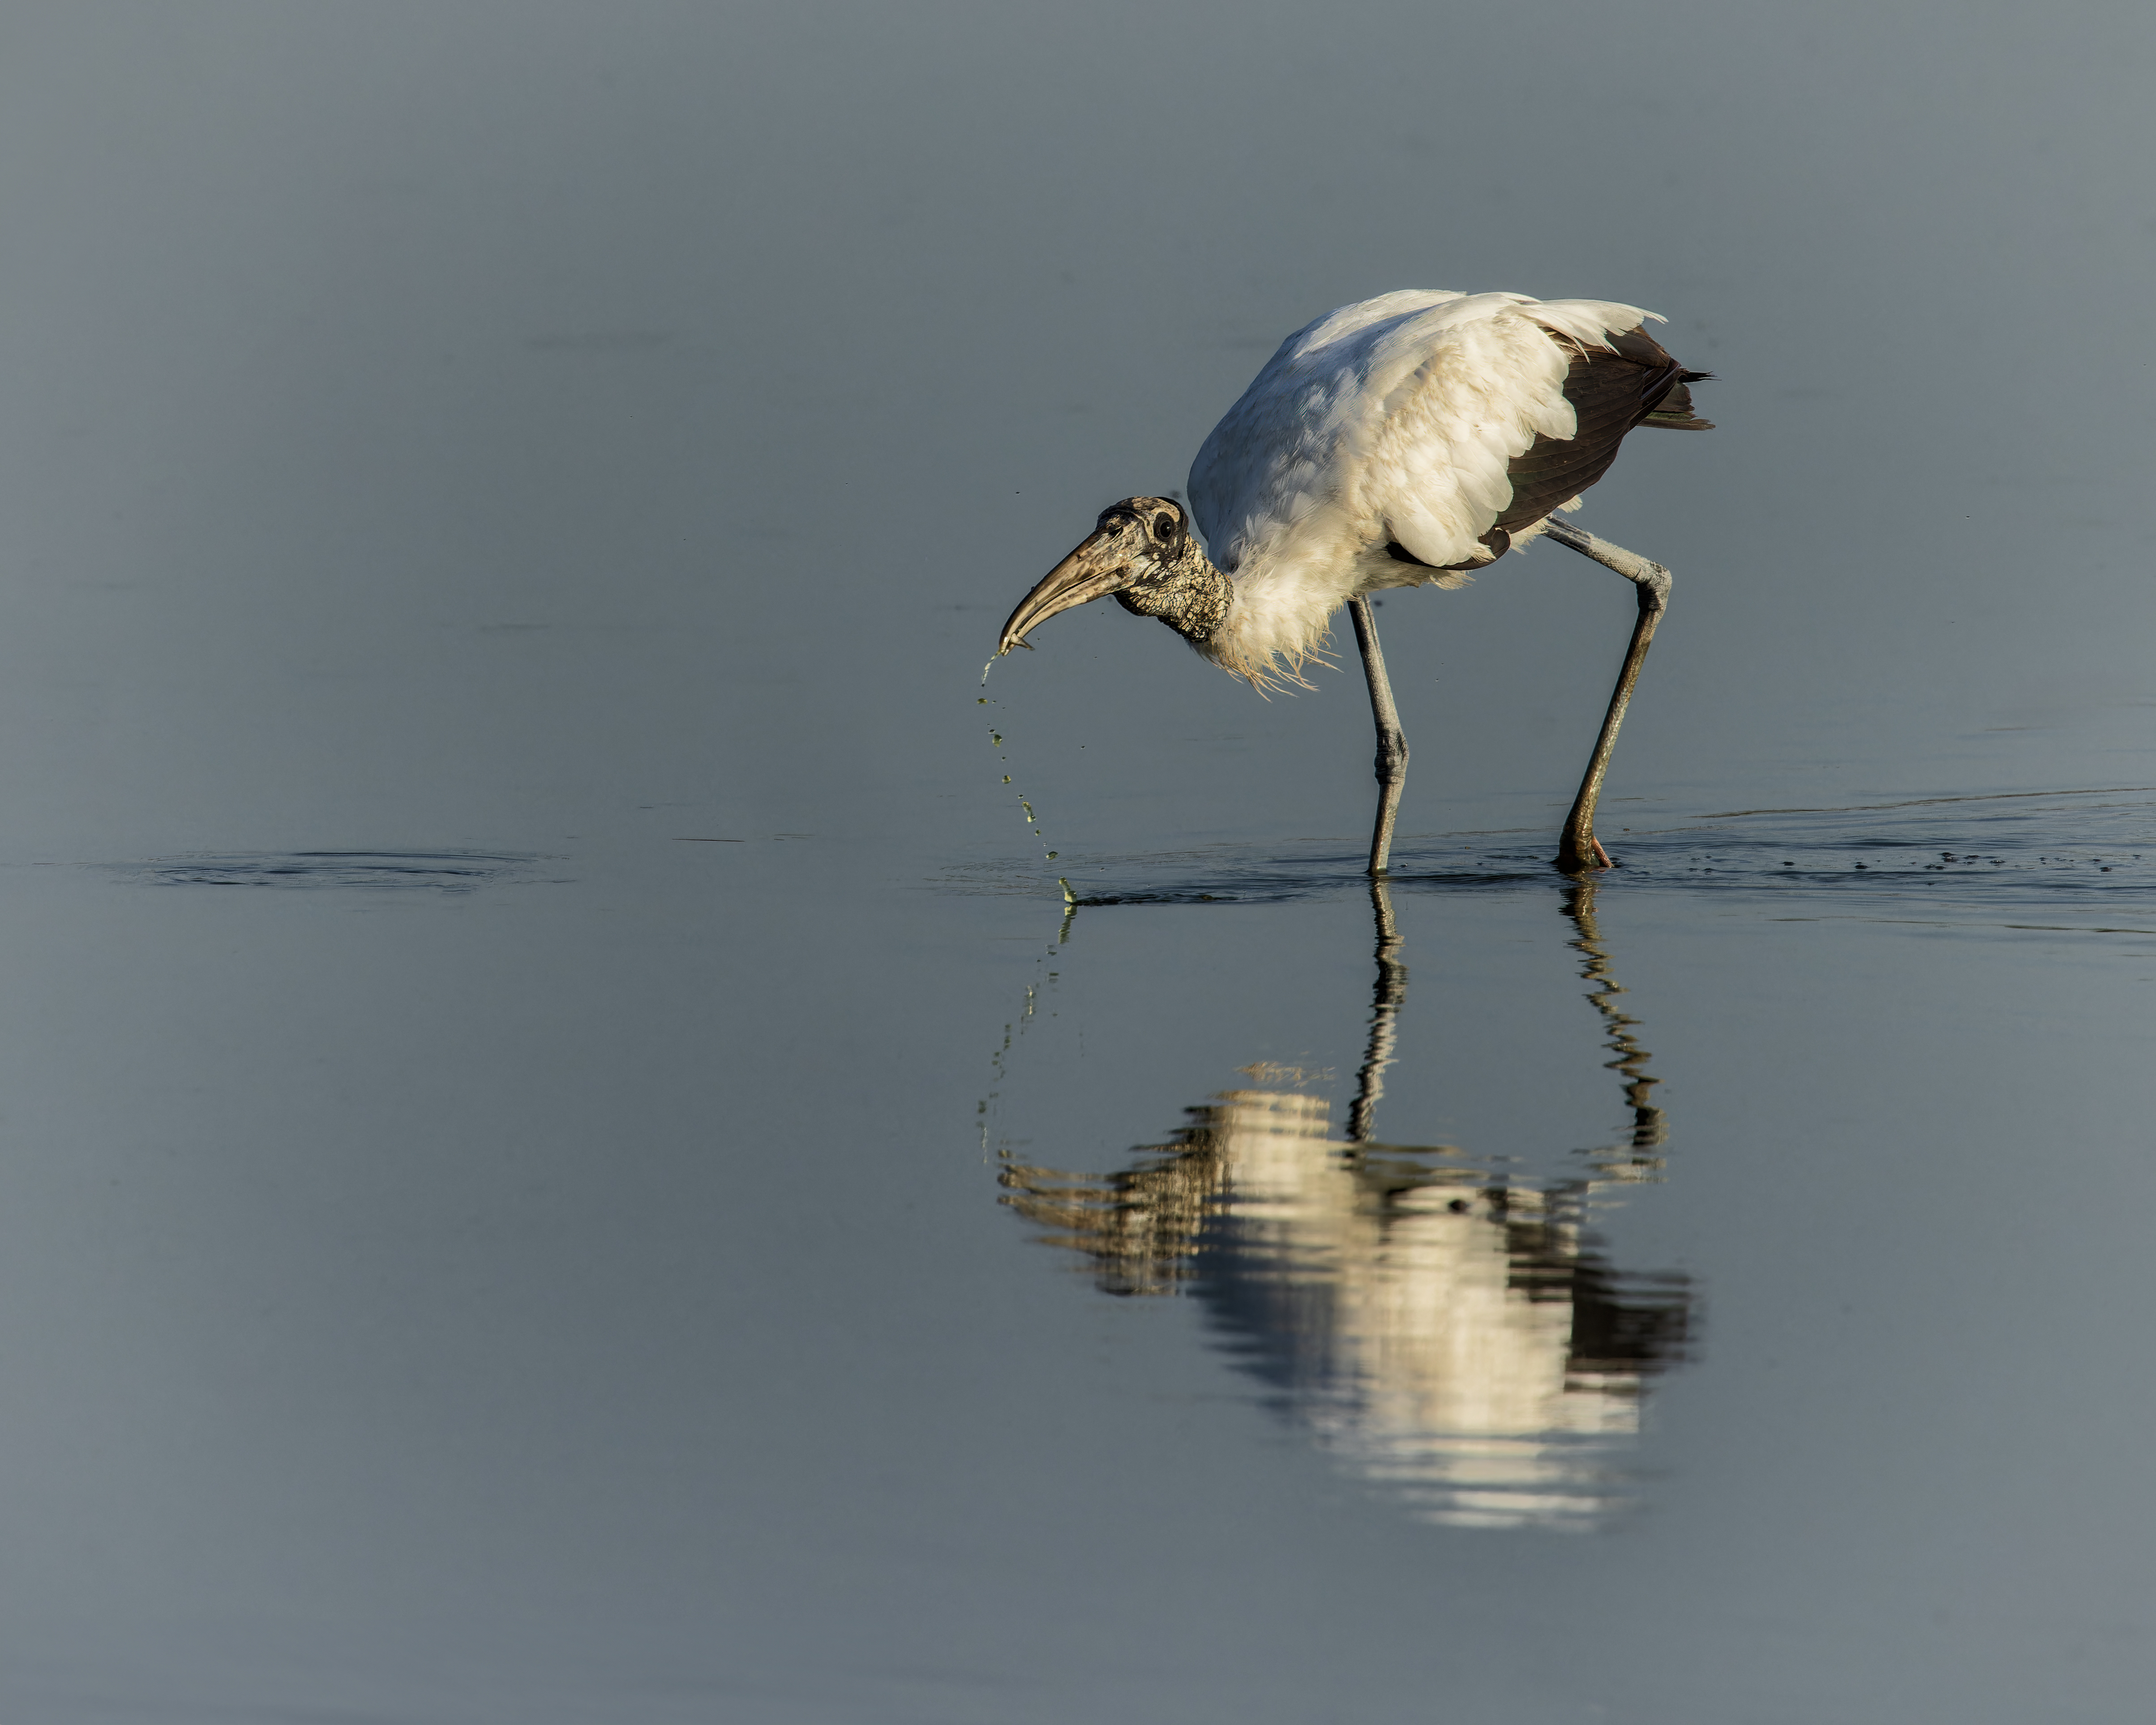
x,y
1138,546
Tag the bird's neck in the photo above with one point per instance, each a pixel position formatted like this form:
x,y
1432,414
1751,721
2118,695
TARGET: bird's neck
x,y
1186,592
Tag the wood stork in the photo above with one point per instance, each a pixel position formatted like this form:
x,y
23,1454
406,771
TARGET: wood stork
x,y
1406,441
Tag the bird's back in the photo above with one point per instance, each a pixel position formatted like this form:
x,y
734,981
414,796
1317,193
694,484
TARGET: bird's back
x,y
1405,438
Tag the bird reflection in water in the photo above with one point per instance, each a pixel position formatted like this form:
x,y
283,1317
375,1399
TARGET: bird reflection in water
x,y
1447,1330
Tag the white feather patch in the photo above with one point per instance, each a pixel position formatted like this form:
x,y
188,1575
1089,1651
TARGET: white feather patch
x,y
1391,419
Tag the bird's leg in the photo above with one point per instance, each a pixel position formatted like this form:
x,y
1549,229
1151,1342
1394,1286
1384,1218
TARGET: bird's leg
x,y
1579,850
1391,741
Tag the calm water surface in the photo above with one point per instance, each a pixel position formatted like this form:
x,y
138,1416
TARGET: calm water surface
x,y
568,1157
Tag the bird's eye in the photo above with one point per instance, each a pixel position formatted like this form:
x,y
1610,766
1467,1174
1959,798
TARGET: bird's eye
x,y
1163,527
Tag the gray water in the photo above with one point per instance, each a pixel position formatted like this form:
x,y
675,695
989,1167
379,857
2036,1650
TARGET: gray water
x,y
567,1157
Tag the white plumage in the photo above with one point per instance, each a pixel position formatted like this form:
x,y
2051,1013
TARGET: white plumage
x,y
1390,421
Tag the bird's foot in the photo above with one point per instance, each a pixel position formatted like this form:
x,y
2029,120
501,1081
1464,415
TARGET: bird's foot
x,y
1574,858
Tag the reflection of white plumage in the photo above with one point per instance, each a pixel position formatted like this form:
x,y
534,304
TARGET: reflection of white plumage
x,y
1404,441
1450,1336
1440,1367
1437,1369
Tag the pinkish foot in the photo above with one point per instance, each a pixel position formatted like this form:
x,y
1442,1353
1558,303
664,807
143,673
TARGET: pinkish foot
x,y
1603,855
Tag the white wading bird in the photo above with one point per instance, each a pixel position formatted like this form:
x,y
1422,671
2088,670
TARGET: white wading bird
x,y
1403,442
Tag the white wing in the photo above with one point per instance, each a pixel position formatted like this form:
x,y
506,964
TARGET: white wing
x,y
1391,421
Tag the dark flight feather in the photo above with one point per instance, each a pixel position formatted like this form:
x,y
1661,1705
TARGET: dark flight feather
x,y
1633,382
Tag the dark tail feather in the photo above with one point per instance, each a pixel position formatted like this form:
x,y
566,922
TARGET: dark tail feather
x,y
1673,412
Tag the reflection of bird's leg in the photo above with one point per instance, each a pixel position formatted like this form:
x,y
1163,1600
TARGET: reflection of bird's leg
x,y
1579,850
1650,1126
1392,740
1387,997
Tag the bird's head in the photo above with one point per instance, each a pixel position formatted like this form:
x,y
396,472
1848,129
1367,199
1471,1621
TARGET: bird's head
x,y
1142,552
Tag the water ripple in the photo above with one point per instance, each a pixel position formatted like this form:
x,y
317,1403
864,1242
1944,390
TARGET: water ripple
x,y
377,871
2016,850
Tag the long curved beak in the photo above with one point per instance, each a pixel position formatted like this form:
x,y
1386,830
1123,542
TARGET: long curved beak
x,y
1089,572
